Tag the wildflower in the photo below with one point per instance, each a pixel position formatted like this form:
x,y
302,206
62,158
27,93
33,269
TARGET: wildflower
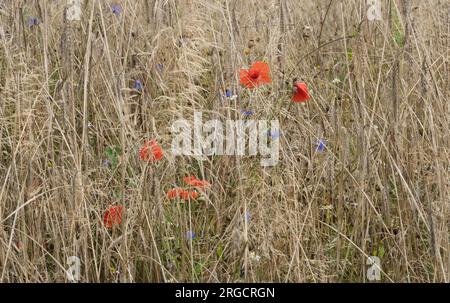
x,y
199,184
254,257
116,9
151,151
173,193
247,216
113,155
193,194
247,113
159,67
229,95
336,81
33,21
258,74
113,216
321,145
182,194
190,235
301,93
138,85
186,195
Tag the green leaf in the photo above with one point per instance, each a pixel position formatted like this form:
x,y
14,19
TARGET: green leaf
x,y
397,30
113,153
350,54
198,268
381,251
220,251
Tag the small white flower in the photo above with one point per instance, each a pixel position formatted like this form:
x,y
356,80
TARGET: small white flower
x,y
336,81
254,257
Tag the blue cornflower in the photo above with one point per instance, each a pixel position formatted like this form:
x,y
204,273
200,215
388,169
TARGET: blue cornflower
x,y
274,134
33,21
159,67
116,9
138,85
247,216
190,235
247,113
229,95
106,162
321,145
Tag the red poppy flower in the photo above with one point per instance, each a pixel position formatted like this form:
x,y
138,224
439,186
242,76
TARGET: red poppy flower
x,y
194,195
182,194
301,93
257,74
113,216
185,195
151,151
193,181
173,193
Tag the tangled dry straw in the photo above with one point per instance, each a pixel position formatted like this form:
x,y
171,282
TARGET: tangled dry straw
x,y
72,123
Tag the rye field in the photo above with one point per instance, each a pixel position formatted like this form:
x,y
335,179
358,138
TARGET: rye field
x,y
92,189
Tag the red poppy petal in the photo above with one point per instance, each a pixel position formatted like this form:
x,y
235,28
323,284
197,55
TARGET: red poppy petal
x,y
184,194
302,93
265,78
245,79
299,98
172,194
243,75
249,84
151,151
113,216
188,179
262,67
106,219
193,181
194,195
303,87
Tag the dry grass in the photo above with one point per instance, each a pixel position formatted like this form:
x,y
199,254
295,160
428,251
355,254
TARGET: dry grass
x,y
380,187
